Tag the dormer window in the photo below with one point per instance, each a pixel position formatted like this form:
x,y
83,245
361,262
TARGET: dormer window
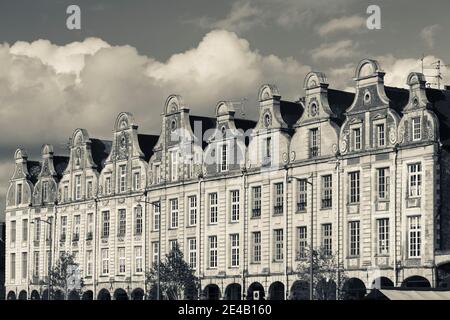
x,y
122,178
89,189
108,185
44,191
267,151
223,158
174,165
19,194
66,193
381,135
137,180
77,187
356,138
416,129
313,142
157,173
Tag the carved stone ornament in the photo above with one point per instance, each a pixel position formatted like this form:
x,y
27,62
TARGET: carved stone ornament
x,y
267,119
401,132
285,157
293,155
334,147
122,153
392,135
430,130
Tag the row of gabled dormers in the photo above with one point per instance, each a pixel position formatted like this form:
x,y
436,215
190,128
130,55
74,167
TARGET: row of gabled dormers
x,y
324,123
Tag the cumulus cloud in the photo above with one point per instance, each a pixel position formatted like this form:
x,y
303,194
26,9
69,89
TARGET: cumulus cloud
x,y
428,34
335,50
350,24
47,90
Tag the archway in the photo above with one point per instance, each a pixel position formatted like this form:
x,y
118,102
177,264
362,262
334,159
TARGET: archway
x,y
45,295
35,295
233,292
11,295
73,295
23,295
88,295
382,283
212,292
137,294
443,275
300,290
326,290
59,295
120,294
354,289
276,291
255,291
416,282
104,295
191,292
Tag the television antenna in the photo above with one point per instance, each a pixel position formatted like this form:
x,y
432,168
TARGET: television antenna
x,y
241,105
436,65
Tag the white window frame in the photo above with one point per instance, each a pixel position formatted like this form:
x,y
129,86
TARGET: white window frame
x,y
212,257
234,205
173,213
313,142
354,187
213,199
138,223
415,179
192,202
302,242
137,180
138,267
121,260
192,253
383,236
174,165
416,127
122,178
356,138
327,238
78,187
121,222
354,238
105,261
414,237
381,134
156,216
278,198
234,250
223,155
256,247
278,237
106,222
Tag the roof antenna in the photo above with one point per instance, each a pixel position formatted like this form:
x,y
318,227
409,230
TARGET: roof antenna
x,y
437,65
241,103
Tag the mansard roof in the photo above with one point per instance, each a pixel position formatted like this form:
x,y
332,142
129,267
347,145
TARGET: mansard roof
x,y
244,124
207,124
290,112
338,102
147,142
398,98
60,163
100,150
440,102
34,168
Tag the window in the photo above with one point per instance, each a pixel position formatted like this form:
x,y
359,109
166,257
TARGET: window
x,y
66,193
12,271
354,238
383,236
138,220
278,245
354,187
122,223
13,231
256,202
136,180
157,173
44,191
77,187
223,158
108,185
234,205
234,246
213,208
138,259
174,165
327,192
173,244
192,210
19,194
415,179
155,252
192,243
48,230
90,226
327,239
63,228
105,261
212,240
49,259
302,195
122,178
414,237
25,230
301,242
36,264
383,183
173,213
89,263
256,252
24,265
278,207
381,135
76,228
156,215
416,129
268,154
357,138
105,224
37,228
89,189
313,143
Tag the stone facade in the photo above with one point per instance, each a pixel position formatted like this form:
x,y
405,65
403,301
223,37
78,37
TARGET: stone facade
x,y
371,167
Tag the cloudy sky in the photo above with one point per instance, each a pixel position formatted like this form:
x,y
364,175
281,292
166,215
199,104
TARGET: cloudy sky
x,y
130,55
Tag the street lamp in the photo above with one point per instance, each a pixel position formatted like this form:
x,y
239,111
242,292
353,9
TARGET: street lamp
x,y
156,205
49,221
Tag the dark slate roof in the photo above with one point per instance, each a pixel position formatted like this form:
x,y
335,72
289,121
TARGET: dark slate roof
x,y
440,101
244,124
398,97
339,101
60,164
290,112
147,142
100,150
207,123
34,168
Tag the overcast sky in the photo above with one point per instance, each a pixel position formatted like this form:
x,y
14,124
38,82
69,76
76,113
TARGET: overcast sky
x,y
130,55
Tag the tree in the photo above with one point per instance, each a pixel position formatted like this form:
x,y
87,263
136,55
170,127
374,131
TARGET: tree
x,y
64,275
327,273
175,277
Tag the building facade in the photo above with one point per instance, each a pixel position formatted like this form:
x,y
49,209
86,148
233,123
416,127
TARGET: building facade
x,y
362,175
